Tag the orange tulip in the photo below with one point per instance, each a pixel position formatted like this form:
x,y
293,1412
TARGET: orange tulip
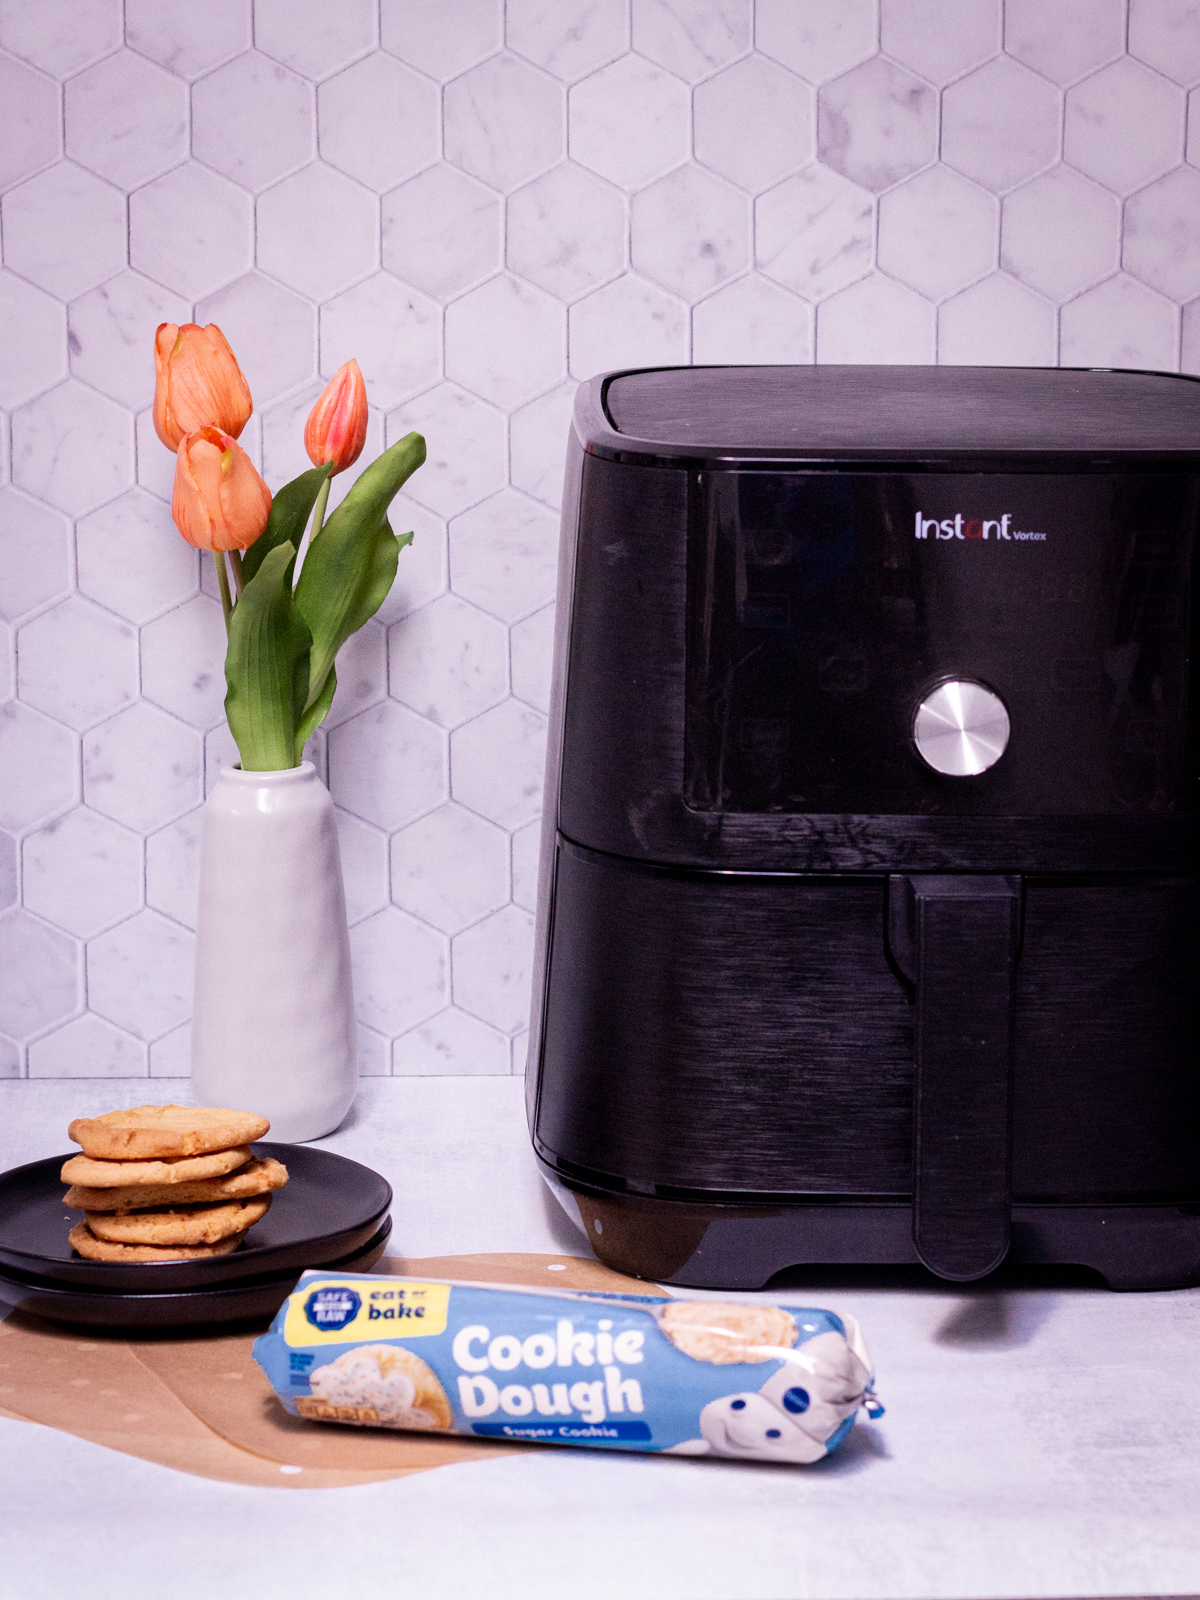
x,y
219,501
197,383
337,425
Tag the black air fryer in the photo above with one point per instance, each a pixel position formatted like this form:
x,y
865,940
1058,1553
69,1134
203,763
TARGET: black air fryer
x,y
868,917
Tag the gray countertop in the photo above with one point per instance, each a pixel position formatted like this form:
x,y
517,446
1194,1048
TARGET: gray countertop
x,y
1037,1442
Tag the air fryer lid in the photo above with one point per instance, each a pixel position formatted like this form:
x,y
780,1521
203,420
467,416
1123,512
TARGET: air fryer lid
x,y
897,409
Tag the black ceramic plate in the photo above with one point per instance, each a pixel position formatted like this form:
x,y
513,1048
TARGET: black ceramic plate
x,y
185,1308
330,1208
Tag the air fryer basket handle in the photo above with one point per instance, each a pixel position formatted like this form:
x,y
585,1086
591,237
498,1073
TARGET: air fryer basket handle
x,y
957,940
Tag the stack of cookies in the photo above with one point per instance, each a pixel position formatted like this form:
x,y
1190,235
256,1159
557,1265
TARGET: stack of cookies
x,y
167,1183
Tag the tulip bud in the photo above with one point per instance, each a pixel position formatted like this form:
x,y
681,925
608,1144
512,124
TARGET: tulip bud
x,y
337,425
197,383
219,501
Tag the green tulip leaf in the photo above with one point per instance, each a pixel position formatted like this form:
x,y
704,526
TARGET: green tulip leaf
x,y
266,666
316,713
350,565
290,511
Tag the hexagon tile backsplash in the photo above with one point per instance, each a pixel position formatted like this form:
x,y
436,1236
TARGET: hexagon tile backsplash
x,y
483,202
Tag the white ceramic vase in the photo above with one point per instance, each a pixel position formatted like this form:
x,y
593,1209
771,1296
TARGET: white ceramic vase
x,y
273,1016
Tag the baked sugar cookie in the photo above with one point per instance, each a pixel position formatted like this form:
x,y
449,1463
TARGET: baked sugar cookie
x,y
123,1174
164,1133
725,1334
259,1176
85,1242
190,1225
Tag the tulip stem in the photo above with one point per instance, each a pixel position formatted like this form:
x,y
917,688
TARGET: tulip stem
x,y
223,586
318,517
239,584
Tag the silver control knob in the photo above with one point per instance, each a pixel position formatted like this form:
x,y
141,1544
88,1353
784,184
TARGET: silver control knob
x,y
961,729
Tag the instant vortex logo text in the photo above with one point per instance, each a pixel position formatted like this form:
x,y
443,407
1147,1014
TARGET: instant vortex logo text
x,y
960,527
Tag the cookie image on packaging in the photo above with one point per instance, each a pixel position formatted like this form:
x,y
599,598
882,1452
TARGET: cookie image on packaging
x,y
378,1385
725,1334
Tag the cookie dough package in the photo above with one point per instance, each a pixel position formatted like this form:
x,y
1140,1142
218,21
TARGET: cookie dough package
x,y
685,1377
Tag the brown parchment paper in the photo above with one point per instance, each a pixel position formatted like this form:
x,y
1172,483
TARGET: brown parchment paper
x,y
201,1404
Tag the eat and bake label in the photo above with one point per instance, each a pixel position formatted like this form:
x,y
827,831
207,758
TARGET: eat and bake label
x,y
338,1311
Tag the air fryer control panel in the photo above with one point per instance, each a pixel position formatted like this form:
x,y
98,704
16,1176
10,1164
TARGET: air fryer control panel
x,y
840,622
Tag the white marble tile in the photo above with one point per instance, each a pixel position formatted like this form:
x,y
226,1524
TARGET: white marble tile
x,y
817,38
814,233
569,38
504,340
220,750
566,231
1120,324
132,559
400,971
60,36
253,120
1060,233
6,674
519,1053
173,869
361,673
531,649
498,763
33,328
394,333
126,119
876,320
458,241
465,438
1124,126
139,975
8,872
364,853
26,525
88,1048
416,32
754,123
1189,360
452,1044
1161,244
183,662
690,232
1193,126
421,573
876,124
374,1053
692,38
628,323
379,121
77,663
187,40
388,765
318,261
155,465
537,444
526,857
30,122
64,230
271,330
938,232
447,661
997,323
190,230
629,122
940,39
39,976
1063,39
171,1056
142,768
450,868
504,555
82,872
752,321
10,1059
312,37
112,335
491,965
72,448
503,122
1001,124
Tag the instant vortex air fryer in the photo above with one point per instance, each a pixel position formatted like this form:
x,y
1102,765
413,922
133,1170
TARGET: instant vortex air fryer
x,y
867,928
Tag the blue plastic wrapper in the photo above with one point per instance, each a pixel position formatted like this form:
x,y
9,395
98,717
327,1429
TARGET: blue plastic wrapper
x,y
618,1372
